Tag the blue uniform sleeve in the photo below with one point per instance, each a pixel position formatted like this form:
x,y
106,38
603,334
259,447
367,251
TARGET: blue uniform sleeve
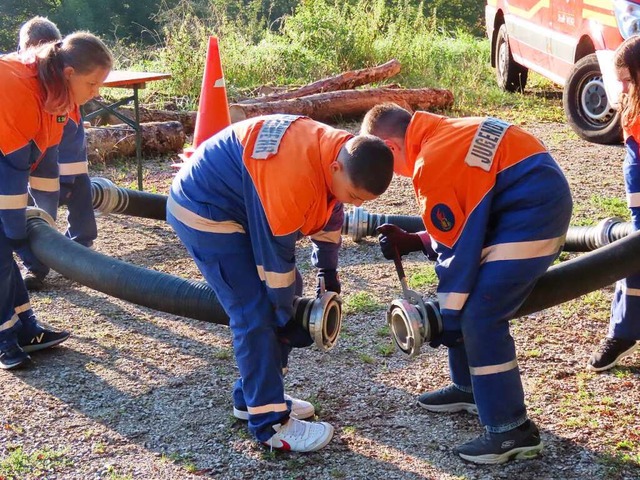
x,y
275,258
457,267
632,180
44,185
14,174
73,152
327,242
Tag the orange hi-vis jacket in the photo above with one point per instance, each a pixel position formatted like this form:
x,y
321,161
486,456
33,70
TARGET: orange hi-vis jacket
x,y
293,193
268,178
455,162
28,134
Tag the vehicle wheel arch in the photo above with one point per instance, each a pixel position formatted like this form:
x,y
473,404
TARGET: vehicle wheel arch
x,y
498,21
584,47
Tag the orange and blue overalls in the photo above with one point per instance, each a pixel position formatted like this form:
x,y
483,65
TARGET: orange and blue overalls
x,y
625,308
73,189
28,135
239,206
497,207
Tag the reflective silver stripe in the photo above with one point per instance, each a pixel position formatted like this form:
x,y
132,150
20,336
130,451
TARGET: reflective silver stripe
x,y
273,407
522,250
44,184
7,325
330,237
633,199
491,369
13,202
74,168
23,308
275,279
200,223
630,292
452,300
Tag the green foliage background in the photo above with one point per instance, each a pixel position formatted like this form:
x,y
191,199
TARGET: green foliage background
x,y
439,43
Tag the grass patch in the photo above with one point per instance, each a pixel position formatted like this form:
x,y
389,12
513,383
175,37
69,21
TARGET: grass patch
x,y
424,277
37,464
361,302
611,207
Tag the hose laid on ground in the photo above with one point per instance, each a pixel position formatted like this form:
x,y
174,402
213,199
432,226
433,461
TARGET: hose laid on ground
x,y
586,273
358,223
107,198
138,285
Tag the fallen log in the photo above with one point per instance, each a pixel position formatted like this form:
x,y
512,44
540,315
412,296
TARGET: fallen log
x,y
344,81
158,138
346,103
186,118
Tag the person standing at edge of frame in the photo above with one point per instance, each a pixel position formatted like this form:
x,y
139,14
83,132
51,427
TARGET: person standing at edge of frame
x,y
624,324
39,88
496,207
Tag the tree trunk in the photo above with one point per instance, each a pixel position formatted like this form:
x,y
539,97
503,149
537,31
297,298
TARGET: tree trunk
x,y
158,138
344,81
346,103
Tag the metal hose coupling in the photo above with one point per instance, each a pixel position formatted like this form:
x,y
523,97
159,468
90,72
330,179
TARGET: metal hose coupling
x,y
321,317
358,223
107,197
35,212
413,322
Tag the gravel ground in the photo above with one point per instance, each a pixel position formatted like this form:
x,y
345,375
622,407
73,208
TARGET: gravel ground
x,y
138,394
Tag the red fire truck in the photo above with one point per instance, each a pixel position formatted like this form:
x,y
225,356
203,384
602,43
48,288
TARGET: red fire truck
x,y
559,40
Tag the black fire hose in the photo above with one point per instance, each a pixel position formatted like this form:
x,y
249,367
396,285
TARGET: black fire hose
x,y
358,223
142,286
586,273
321,317
107,198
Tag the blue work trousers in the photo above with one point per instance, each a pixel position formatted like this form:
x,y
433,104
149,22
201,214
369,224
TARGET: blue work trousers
x,y
261,351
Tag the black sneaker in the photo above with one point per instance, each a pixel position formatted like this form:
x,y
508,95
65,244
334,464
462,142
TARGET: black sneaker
x,y
34,281
448,399
520,443
11,355
36,337
610,352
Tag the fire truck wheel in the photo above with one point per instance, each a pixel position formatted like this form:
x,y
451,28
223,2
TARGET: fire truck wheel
x,y
511,76
586,105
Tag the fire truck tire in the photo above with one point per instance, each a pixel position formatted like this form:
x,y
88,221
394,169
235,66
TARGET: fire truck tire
x,y
586,105
511,76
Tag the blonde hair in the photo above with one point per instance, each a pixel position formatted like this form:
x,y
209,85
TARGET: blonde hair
x,y
81,50
37,31
627,55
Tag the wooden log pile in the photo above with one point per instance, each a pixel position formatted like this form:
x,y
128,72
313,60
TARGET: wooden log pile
x,y
325,100
158,138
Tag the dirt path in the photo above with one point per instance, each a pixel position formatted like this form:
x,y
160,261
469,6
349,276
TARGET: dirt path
x,y
137,394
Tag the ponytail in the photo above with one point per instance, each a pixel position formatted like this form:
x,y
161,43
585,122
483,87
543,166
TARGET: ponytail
x,y
82,51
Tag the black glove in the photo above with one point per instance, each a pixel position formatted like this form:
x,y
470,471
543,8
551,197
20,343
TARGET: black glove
x,y
392,238
331,281
448,338
18,244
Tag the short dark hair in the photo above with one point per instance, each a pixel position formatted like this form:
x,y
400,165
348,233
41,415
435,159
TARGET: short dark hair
x,y
36,32
368,163
386,120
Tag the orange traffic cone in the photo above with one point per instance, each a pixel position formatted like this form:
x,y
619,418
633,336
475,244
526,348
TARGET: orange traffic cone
x,y
213,109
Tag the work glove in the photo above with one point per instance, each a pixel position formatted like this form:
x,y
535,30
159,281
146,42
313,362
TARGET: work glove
x,y
448,338
331,281
392,238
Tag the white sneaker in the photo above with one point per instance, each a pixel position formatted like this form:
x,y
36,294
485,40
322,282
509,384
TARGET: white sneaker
x,y
300,436
300,409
